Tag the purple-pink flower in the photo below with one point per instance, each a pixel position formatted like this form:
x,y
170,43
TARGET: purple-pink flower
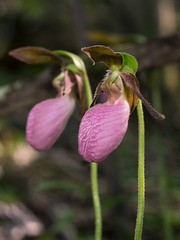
x,y
48,119
104,125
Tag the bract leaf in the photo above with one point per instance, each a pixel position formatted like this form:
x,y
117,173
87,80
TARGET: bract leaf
x,y
35,55
73,68
100,53
126,69
129,61
78,62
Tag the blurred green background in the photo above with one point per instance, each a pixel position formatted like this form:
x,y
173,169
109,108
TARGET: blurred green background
x,y
47,195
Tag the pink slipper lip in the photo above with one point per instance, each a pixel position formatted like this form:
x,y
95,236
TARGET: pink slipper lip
x,y
102,130
47,120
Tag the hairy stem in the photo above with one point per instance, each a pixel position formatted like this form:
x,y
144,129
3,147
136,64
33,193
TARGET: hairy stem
x,y
141,178
94,173
96,200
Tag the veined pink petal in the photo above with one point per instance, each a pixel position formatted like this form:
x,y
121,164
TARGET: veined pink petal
x,y
102,130
47,121
68,84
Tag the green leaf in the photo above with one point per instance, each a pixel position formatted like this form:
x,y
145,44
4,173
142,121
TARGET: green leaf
x,y
100,53
35,55
129,61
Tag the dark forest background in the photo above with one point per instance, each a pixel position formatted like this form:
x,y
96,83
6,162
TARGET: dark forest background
x,y
47,195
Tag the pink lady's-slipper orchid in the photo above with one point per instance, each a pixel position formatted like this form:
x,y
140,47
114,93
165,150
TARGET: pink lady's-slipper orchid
x,y
48,119
104,125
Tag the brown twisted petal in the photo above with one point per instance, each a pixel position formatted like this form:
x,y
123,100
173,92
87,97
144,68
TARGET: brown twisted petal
x,y
131,97
131,82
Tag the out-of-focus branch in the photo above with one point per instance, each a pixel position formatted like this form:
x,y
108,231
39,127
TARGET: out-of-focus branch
x,y
31,92
152,54
157,52
78,23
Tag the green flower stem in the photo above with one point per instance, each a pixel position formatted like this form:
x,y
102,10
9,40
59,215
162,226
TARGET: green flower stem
x,y
87,88
141,178
94,177
96,200
94,181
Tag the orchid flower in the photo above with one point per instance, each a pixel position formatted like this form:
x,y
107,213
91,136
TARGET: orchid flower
x,y
104,125
48,119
